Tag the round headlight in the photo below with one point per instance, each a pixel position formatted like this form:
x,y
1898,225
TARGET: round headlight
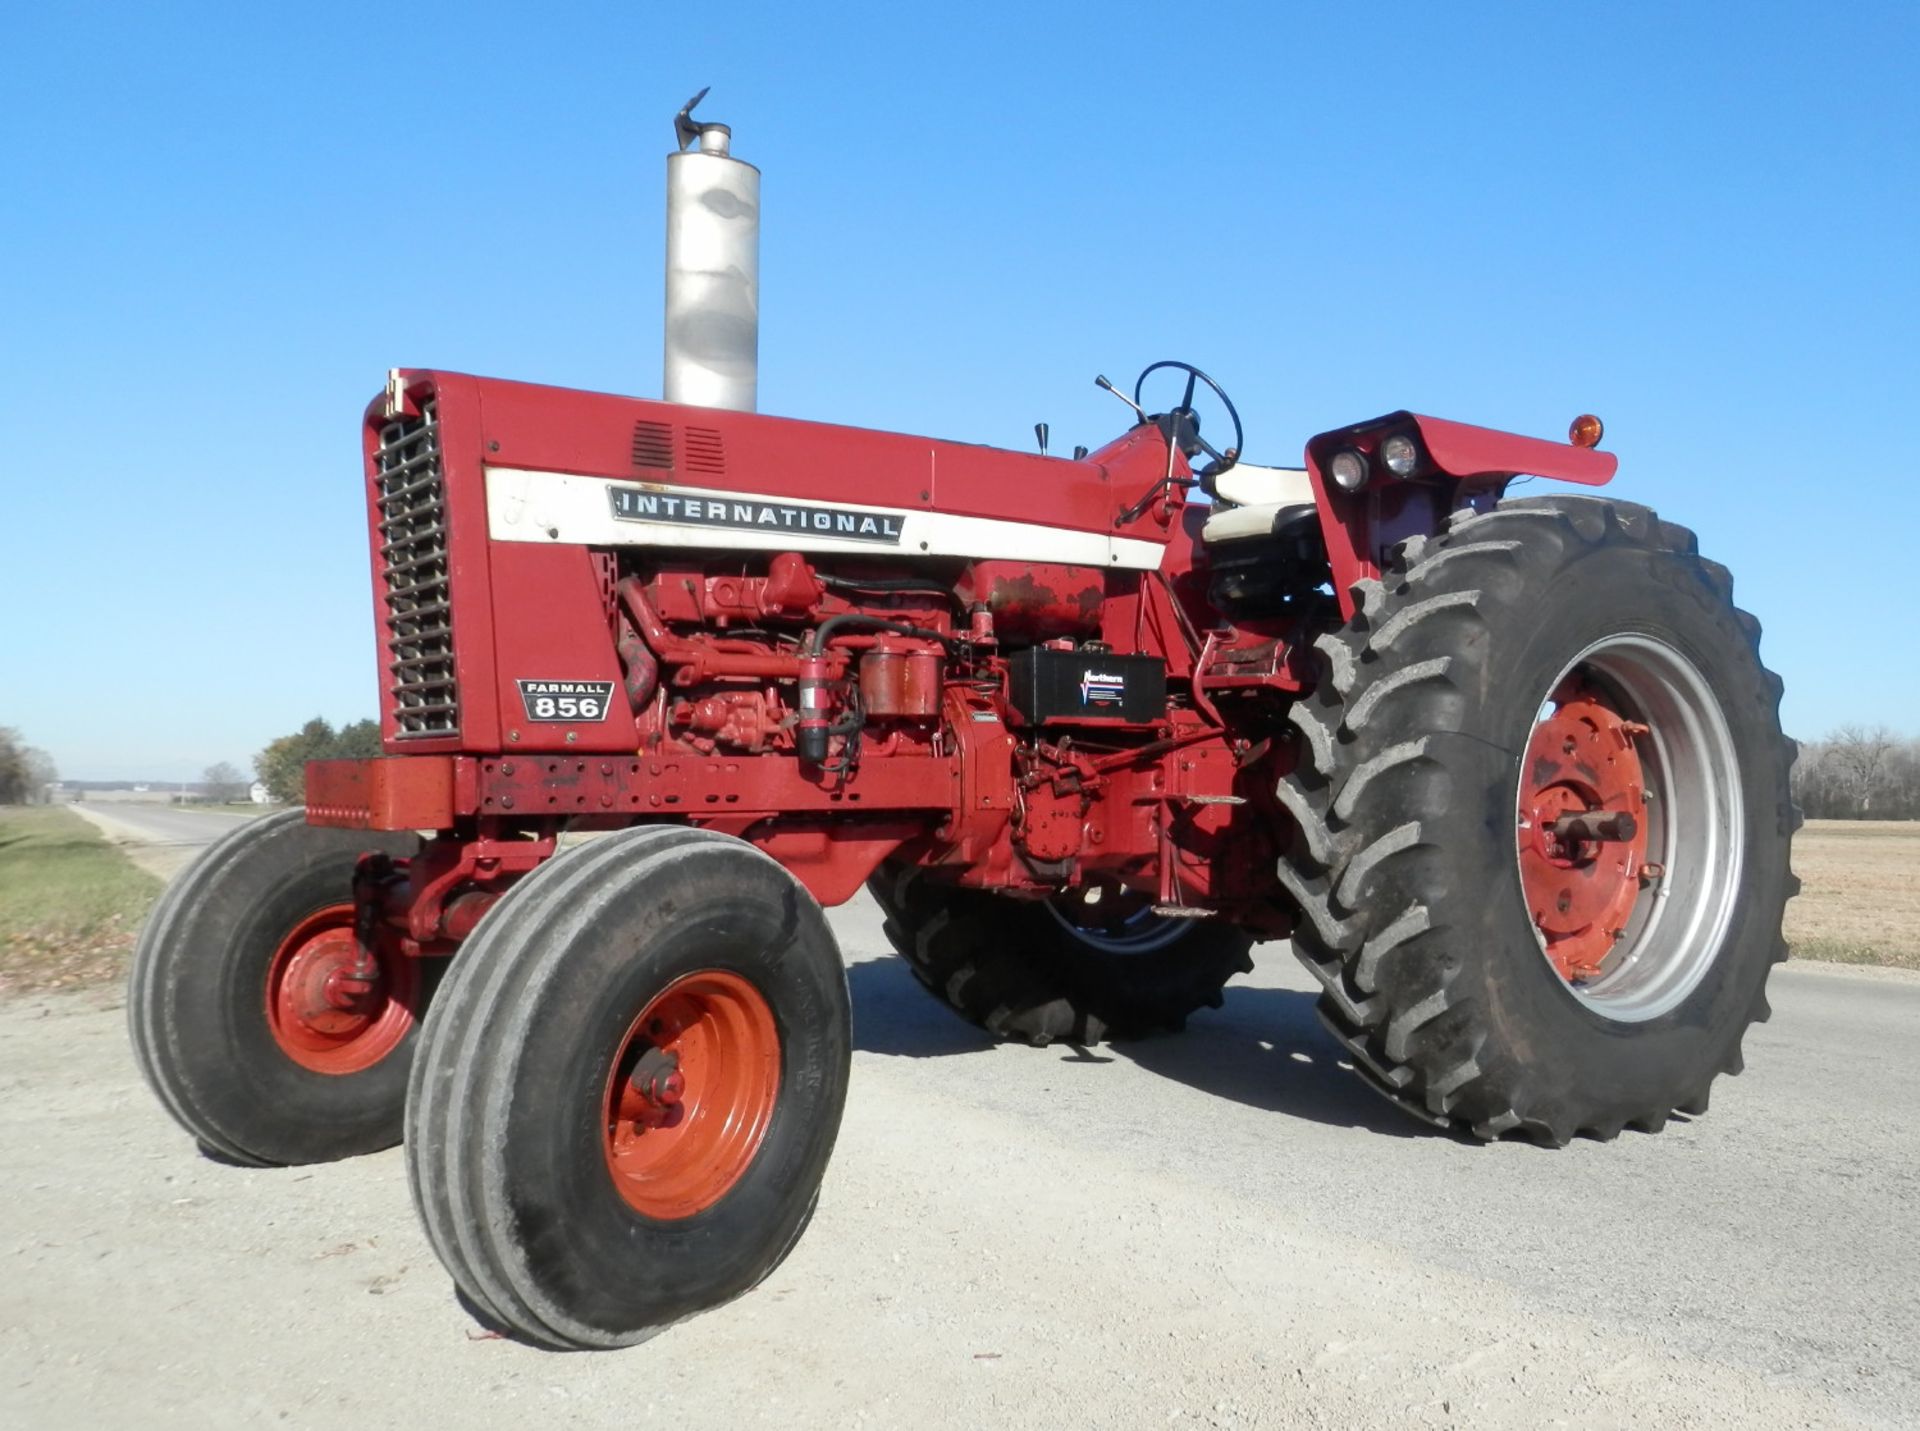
x,y
1399,455
1348,470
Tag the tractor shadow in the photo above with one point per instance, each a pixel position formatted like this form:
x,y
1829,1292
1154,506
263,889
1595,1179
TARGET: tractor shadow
x,y
1264,1048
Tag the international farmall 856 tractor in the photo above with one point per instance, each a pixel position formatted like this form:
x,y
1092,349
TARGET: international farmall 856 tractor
x,y
1508,773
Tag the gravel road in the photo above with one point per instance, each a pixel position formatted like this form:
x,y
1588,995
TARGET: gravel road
x,y
1221,1228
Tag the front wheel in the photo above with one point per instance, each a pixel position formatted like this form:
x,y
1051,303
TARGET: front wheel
x,y
1543,824
630,1087
243,1015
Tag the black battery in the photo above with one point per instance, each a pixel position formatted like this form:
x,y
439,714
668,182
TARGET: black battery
x,y
1086,687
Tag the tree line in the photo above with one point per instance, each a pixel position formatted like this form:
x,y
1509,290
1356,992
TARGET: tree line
x,y
282,766
1859,773
25,770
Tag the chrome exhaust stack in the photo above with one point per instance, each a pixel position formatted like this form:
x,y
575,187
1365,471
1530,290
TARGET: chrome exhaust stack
x,y
712,355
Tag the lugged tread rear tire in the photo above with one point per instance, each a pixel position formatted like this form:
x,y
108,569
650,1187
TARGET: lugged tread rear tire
x,y
504,1156
196,992
1013,969
1404,795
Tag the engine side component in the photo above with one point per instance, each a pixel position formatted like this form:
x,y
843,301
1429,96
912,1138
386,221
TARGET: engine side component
x,y
900,678
1036,601
1085,687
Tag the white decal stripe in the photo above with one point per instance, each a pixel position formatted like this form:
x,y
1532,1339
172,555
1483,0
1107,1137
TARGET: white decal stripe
x,y
529,506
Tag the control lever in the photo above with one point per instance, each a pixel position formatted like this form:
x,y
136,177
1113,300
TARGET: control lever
x,y
1104,382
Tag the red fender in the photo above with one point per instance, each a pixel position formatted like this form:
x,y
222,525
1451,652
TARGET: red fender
x,y
1463,466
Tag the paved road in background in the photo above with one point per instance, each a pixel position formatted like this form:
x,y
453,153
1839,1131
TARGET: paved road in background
x,y
1220,1228
164,824
159,838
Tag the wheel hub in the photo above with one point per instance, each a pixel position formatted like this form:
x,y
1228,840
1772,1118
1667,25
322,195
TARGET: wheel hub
x,y
1582,827
659,1087
691,1094
326,1009
323,987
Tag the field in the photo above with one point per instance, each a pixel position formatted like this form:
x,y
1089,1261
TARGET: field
x,y
1860,896
70,904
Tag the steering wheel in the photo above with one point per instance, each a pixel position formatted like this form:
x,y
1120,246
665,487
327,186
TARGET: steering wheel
x,y
1221,460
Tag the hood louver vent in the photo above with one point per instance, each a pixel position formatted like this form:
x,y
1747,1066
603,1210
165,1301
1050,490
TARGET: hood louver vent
x,y
653,445
704,451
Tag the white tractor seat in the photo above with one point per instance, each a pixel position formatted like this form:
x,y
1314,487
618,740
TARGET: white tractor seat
x,y
1257,501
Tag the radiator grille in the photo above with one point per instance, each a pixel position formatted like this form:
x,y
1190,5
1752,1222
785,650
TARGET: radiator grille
x,y
412,497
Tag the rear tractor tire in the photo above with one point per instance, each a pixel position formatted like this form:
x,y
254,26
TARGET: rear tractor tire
x,y
629,1088
1041,972
232,1000
1543,824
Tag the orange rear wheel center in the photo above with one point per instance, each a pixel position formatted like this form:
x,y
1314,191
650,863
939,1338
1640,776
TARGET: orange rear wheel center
x,y
1582,877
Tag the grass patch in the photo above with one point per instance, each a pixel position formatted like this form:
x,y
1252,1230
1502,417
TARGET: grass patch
x,y
1841,951
70,904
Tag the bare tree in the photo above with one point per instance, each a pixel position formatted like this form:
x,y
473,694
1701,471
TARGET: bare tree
x,y
1857,774
13,767
42,775
223,783
1861,758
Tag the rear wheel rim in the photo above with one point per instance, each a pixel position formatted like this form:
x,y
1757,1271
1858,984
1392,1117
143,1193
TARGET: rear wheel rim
x,y
322,1016
1134,930
1631,923
691,1094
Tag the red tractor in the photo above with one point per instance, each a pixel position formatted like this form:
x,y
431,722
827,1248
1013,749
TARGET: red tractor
x,y
1508,773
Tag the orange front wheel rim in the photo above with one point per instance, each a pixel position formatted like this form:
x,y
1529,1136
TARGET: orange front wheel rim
x,y
691,1094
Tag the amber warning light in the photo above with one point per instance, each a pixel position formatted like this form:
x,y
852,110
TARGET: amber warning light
x,y
1586,430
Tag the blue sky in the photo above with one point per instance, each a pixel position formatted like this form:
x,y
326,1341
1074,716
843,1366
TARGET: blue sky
x,y
221,224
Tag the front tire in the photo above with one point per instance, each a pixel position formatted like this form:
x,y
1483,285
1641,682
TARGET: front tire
x,y
1500,950
226,1007
630,1087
